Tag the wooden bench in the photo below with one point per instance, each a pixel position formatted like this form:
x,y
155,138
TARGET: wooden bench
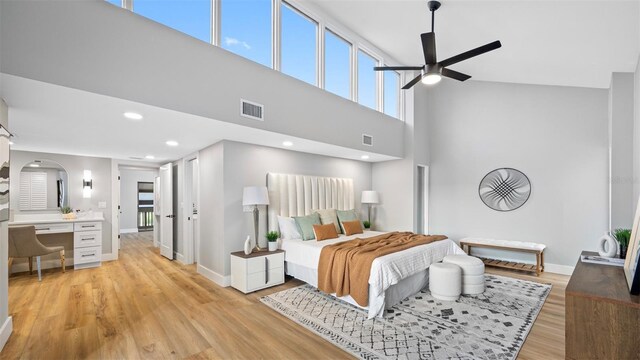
x,y
527,247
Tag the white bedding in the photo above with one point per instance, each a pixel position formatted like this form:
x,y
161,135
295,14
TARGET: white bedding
x,y
302,259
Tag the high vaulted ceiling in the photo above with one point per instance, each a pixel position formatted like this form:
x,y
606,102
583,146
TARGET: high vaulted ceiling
x,y
573,43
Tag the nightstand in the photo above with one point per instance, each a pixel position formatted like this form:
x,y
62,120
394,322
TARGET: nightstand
x,y
258,270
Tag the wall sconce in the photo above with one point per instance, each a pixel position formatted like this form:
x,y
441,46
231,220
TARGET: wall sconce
x,y
87,184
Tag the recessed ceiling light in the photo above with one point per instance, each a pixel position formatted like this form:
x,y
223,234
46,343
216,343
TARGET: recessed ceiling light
x,y
364,157
34,165
172,143
150,157
132,116
287,143
10,142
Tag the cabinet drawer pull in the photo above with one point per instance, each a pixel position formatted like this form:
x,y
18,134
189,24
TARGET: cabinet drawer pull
x,y
88,226
91,238
43,229
266,270
87,255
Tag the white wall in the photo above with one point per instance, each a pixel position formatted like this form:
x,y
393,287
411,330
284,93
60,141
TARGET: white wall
x,y
621,110
89,45
129,179
5,320
636,136
557,136
75,166
227,167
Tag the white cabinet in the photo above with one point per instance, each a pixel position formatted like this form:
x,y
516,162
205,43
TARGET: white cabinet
x,y
87,244
258,270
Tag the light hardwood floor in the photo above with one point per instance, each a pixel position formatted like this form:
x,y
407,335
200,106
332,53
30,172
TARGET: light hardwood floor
x,y
144,306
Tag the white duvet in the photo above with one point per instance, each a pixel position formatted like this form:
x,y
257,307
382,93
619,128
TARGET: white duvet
x,y
386,270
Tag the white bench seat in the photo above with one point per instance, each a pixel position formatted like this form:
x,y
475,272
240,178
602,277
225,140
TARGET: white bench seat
x,y
511,245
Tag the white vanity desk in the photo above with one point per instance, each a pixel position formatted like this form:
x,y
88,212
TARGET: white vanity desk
x,y
87,234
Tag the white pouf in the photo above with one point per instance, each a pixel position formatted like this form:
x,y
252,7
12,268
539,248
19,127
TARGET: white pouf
x,y
472,272
445,281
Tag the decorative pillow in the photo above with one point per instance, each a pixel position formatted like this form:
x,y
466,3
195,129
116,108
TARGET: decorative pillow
x,y
325,232
288,228
352,227
305,224
328,216
347,215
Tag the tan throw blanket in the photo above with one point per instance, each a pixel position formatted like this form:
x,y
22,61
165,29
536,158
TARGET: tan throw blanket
x,y
344,267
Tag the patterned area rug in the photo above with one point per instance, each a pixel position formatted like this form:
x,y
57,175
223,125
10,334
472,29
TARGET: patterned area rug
x,y
492,325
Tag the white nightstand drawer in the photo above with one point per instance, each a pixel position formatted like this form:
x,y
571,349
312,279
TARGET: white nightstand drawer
x,y
86,226
53,228
262,263
82,239
258,280
87,255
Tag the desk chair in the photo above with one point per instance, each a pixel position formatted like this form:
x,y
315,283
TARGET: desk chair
x,y
23,242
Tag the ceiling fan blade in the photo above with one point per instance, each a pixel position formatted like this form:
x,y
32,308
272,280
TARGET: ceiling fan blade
x,y
429,47
471,53
455,75
410,84
384,68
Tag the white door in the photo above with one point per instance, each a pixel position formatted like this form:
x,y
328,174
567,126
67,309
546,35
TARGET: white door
x,y
166,211
119,213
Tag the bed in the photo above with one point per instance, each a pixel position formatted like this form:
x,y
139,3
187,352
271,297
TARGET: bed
x,y
392,278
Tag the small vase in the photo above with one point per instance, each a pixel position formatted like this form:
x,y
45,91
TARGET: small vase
x,y
273,245
247,246
623,252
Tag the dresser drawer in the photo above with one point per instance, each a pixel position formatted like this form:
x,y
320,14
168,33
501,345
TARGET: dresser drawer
x,y
87,255
262,263
82,239
87,226
54,228
257,281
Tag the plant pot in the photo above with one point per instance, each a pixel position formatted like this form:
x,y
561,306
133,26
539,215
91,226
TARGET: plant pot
x,y
623,252
273,245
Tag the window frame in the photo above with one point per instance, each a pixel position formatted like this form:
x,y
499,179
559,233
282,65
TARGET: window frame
x,y
351,61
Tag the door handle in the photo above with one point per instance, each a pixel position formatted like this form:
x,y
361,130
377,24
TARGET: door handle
x,y
266,270
171,216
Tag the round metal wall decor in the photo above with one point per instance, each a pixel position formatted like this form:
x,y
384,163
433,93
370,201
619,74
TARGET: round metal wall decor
x,y
504,189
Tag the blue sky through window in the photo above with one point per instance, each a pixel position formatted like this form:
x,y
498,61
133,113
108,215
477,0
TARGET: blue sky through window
x,y
192,17
391,93
246,29
117,3
298,45
337,65
366,80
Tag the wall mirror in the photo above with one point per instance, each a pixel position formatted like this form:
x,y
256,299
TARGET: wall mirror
x,y
44,185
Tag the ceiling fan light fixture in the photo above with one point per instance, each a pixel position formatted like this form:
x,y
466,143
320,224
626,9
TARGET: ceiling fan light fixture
x,y
431,79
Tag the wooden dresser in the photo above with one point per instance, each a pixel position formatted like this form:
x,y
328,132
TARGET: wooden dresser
x,y
602,318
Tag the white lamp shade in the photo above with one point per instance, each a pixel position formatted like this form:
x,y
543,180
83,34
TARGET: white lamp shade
x,y
255,195
370,197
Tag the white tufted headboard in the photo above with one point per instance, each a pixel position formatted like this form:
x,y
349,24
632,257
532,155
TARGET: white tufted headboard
x,y
298,195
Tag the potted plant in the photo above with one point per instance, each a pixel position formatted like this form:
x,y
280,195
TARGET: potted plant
x,y
67,213
622,236
367,224
272,238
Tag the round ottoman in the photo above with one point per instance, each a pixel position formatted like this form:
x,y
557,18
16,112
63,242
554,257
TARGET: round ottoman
x,y
445,281
472,272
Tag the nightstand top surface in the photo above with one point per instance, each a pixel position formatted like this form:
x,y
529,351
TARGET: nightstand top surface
x,y
241,254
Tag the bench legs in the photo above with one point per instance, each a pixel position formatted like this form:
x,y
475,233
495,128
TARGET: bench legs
x,y
10,263
62,260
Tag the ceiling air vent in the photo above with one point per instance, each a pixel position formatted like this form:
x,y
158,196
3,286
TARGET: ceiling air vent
x,y
251,110
367,140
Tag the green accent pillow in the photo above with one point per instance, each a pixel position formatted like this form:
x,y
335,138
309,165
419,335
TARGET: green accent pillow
x,y
305,224
347,215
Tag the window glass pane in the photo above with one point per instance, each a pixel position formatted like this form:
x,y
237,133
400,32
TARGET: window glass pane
x,y
391,93
366,80
298,45
192,17
337,65
246,29
117,3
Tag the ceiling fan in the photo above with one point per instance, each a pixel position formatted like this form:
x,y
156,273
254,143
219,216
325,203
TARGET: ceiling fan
x,y
432,71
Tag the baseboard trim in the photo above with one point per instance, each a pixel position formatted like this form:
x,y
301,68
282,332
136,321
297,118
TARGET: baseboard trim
x,y
559,269
5,331
128,231
109,257
221,280
180,257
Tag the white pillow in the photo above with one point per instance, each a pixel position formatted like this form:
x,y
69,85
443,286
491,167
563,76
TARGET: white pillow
x,y
288,228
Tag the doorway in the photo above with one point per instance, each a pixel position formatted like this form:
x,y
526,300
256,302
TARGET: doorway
x,y
191,226
145,206
135,191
